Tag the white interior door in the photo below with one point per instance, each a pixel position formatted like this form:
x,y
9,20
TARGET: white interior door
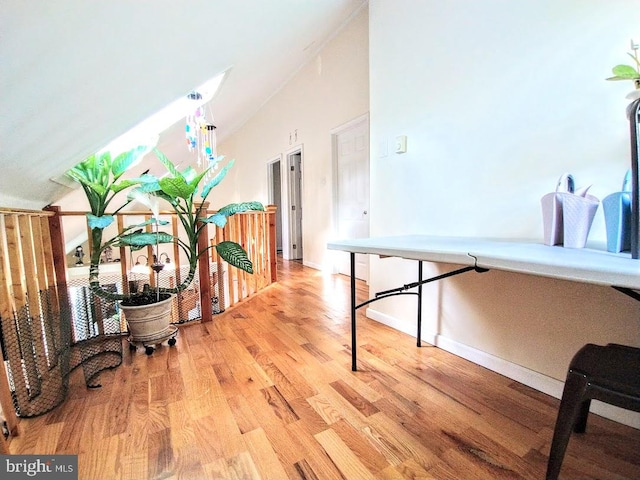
x,y
295,205
351,151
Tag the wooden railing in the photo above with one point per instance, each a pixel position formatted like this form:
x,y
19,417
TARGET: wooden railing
x,y
39,344
255,231
26,270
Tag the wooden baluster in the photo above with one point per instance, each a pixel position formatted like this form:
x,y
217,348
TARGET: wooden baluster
x,y
58,257
241,235
12,351
48,314
254,241
204,271
19,344
47,265
220,270
273,259
264,248
28,246
261,248
55,261
48,262
229,228
124,261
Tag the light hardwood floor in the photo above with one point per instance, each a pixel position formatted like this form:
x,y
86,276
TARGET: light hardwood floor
x,y
266,391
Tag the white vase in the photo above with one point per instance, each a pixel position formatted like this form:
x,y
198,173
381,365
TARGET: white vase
x,y
149,324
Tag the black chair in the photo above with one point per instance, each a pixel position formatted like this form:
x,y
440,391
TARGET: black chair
x,y
609,373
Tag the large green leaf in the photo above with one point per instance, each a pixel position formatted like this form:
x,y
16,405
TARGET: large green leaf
x,y
233,208
123,161
148,187
144,238
99,188
625,72
118,187
151,221
167,163
78,174
217,219
99,222
220,217
176,187
234,254
194,181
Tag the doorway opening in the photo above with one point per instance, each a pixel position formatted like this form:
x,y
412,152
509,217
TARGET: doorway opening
x,y
285,192
294,206
274,174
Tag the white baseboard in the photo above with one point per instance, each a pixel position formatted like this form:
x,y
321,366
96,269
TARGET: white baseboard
x,y
530,378
311,265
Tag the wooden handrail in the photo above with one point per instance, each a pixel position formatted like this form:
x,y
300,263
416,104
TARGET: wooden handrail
x,y
255,231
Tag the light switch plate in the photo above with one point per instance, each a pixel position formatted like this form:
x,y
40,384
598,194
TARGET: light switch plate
x,y
401,144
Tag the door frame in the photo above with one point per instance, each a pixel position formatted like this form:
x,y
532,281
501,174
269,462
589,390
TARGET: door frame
x,y
270,182
287,201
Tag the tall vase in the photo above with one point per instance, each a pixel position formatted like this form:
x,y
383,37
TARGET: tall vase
x,y
149,324
633,113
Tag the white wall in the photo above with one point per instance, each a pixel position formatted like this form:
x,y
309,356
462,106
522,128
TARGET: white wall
x,y
324,94
498,99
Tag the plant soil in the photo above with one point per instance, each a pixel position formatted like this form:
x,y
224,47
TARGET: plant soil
x,y
145,298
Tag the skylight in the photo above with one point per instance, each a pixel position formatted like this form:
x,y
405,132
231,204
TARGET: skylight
x,y
148,131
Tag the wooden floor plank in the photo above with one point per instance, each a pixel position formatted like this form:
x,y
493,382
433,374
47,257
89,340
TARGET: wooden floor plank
x,y
344,458
262,452
266,390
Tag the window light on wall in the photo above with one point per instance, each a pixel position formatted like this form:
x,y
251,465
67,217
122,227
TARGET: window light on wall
x,y
148,131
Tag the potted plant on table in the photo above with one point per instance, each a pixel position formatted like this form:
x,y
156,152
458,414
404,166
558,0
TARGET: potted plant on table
x,y
632,72
101,176
629,72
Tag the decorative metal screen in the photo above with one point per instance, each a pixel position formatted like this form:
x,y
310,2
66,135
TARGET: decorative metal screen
x,y
86,331
40,351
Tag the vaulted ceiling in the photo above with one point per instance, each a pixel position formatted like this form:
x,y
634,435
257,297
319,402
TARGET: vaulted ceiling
x,y
75,74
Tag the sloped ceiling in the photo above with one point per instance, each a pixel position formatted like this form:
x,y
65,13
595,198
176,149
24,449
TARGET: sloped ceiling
x,y
75,74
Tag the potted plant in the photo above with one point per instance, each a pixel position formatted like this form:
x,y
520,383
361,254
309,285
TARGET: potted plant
x,y
102,178
629,72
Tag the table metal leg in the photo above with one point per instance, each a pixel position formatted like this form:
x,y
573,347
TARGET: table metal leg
x,y
419,336
354,366
393,292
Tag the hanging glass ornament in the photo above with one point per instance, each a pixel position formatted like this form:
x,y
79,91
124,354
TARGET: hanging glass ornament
x,y
200,133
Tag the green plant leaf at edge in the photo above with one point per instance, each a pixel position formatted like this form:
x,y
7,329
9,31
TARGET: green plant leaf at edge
x,y
234,255
144,238
123,161
99,222
176,187
220,217
167,163
625,72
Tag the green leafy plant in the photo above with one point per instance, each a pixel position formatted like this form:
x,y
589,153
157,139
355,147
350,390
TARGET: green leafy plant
x,y
628,72
101,177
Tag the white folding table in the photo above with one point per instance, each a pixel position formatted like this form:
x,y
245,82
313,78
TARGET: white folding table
x,y
617,270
